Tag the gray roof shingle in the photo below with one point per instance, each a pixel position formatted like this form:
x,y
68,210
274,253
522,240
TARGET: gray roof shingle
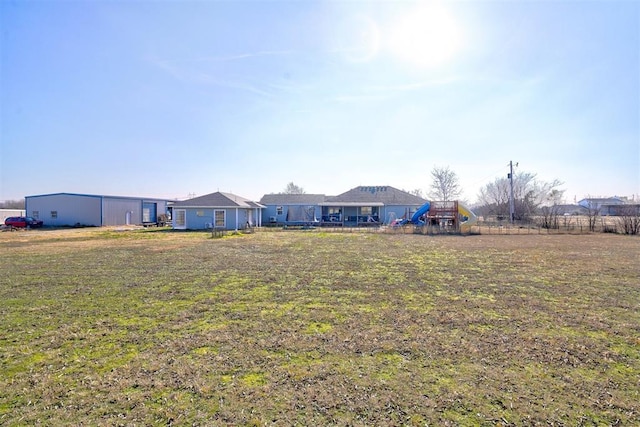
x,y
218,200
292,199
377,194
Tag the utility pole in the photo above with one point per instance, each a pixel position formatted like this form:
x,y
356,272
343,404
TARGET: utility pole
x,y
512,209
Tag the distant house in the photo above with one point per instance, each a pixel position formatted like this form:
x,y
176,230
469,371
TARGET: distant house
x,y
604,206
291,209
360,206
597,202
216,210
71,209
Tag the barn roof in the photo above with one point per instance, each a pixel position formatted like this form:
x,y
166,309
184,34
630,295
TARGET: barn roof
x,y
102,196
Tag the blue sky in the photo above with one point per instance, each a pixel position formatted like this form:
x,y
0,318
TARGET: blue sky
x,y
168,99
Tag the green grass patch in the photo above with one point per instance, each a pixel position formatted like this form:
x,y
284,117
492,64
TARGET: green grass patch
x,y
153,327
318,328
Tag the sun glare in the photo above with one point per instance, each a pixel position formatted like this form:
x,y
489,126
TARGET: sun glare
x,y
427,36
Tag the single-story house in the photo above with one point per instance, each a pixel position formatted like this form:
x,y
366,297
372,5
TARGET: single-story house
x,y
70,209
216,210
291,209
596,203
360,206
605,206
369,205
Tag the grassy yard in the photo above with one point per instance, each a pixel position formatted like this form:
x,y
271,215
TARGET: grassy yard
x,y
106,327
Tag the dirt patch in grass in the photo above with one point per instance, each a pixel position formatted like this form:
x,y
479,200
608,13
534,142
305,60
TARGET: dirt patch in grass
x,y
101,326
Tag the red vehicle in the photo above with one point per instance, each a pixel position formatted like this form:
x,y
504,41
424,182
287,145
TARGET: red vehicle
x,y
22,222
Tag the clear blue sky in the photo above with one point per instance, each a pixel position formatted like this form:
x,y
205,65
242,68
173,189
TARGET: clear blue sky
x,y
167,99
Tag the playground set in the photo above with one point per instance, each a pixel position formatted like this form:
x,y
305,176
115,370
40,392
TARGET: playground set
x,y
450,215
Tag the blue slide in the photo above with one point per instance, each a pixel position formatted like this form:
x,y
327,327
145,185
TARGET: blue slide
x,y
415,218
421,211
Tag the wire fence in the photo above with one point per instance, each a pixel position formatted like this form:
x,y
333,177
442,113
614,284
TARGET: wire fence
x,y
563,225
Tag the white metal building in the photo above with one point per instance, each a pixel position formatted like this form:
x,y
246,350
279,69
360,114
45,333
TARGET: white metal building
x,y
69,209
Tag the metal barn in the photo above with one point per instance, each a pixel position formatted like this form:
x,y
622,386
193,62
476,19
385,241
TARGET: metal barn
x,y
69,209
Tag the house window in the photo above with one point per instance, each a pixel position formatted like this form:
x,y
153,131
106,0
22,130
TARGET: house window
x,y
54,214
366,210
219,218
279,210
35,214
199,213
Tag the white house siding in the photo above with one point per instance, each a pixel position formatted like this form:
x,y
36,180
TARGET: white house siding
x,y
65,209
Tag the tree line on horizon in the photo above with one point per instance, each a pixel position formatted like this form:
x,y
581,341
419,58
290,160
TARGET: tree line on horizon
x,y
12,204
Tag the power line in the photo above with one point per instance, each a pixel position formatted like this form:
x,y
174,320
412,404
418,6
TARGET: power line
x,y
491,175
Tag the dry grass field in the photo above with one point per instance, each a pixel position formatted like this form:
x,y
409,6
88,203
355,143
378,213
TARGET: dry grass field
x,y
152,327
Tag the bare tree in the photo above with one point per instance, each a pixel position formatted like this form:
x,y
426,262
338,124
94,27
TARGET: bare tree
x,y
291,188
417,192
529,195
494,199
555,196
549,217
630,219
444,185
550,211
593,211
